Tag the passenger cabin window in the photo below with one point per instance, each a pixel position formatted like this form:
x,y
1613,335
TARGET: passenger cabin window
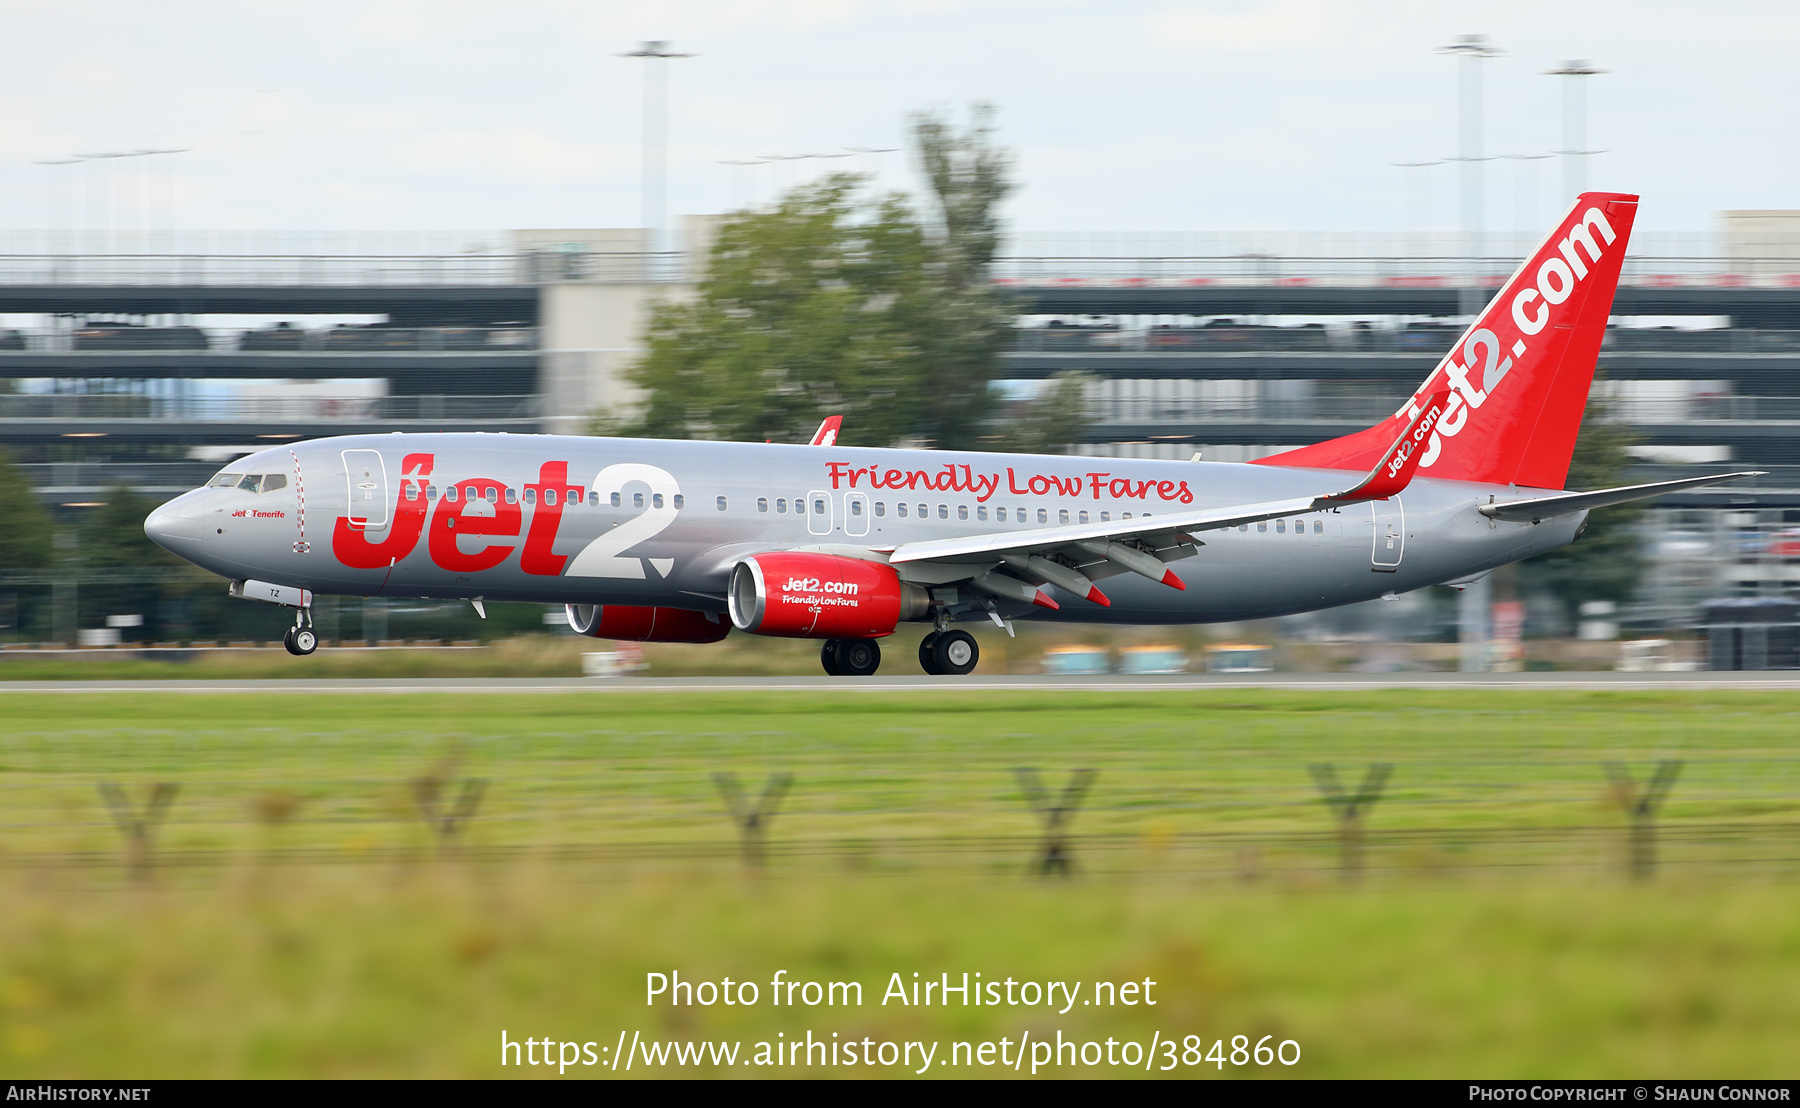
x,y
549,497
1000,514
531,496
594,499
924,511
637,500
1263,525
856,507
512,496
881,507
818,507
1318,527
680,502
1043,516
1281,527
981,511
493,495
901,508
450,493
431,492
762,503
721,503
1082,518
615,500
655,500
943,511
781,504
799,506
1062,516
1105,517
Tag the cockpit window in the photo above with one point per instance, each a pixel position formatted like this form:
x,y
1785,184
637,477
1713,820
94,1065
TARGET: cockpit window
x,y
249,482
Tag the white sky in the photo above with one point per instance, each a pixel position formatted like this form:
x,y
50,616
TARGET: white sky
x,y
1146,116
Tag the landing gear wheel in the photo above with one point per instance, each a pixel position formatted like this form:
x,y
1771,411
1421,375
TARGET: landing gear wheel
x,y
955,653
300,641
928,655
828,657
858,657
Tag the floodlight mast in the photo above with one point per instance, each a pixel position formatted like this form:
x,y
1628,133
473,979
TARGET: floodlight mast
x,y
655,154
1473,49
1472,609
1575,152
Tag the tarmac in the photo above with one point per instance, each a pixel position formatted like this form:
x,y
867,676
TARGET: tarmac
x,y
1715,681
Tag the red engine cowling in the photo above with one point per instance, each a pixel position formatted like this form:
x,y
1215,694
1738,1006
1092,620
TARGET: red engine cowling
x,y
634,624
799,595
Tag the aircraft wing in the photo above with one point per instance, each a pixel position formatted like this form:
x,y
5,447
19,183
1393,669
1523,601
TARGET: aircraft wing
x,y
1544,507
1072,556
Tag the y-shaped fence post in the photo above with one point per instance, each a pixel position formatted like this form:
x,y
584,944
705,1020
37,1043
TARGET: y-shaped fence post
x,y
138,828
428,794
1349,810
1642,807
752,822
1055,857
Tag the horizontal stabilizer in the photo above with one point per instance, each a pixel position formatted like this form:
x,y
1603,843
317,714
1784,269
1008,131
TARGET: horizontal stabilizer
x,y
1544,507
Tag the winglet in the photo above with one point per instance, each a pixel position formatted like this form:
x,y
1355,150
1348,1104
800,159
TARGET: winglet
x,y
1396,468
827,433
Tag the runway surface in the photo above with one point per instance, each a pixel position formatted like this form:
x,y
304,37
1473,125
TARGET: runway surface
x,y
1334,682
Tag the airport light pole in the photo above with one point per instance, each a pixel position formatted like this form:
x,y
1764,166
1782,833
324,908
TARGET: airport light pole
x,y
656,125
1472,609
1574,151
1473,50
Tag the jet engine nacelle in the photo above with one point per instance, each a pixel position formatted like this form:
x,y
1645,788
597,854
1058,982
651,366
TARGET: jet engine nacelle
x,y
635,624
800,595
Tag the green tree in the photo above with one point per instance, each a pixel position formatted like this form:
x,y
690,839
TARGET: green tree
x,y
799,316
1043,423
836,302
25,539
122,572
1607,561
964,323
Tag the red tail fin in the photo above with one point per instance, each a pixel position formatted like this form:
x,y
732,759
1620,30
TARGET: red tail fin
x,y
1521,372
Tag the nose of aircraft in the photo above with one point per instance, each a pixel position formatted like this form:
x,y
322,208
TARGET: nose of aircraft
x,y
179,525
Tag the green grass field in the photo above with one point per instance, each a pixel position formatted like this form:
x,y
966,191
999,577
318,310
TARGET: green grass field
x,y
295,915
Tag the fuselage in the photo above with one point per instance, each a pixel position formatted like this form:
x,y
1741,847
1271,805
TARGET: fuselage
x,y
653,522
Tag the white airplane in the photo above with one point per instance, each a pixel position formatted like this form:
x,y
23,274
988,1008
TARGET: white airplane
x,y
663,541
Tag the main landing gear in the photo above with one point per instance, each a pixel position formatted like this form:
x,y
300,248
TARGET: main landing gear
x,y
300,639
941,654
850,657
948,653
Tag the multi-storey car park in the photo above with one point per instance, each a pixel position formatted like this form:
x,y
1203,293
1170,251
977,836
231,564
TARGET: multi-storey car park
x,y
152,361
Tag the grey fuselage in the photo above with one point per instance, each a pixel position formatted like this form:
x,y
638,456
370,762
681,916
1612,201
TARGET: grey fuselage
x,y
652,522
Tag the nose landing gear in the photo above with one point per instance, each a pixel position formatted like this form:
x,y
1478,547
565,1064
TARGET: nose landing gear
x,y
300,639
